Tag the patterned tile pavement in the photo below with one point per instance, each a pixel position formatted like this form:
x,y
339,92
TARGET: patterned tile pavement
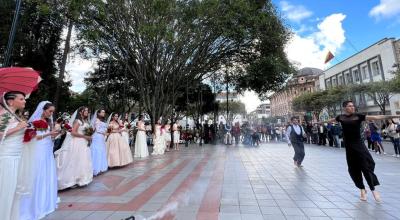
x,y
229,183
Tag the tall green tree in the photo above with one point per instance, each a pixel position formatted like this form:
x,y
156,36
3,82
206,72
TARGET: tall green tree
x,y
36,44
165,43
112,86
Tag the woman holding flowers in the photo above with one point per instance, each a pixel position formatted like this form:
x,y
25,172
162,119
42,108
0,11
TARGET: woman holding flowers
x,y
43,197
98,145
73,159
125,127
11,136
118,150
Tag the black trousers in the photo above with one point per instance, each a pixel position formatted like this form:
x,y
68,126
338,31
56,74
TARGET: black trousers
x,y
298,151
360,163
322,139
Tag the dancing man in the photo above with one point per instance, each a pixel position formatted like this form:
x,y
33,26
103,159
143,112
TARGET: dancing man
x,y
359,160
295,135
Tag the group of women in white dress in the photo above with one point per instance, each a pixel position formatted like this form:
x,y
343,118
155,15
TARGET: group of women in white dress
x,y
28,180
31,174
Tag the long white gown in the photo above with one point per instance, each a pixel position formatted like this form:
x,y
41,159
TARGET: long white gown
x,y
141,149
159,142
74,161
43,199
98,148
10,155
125,132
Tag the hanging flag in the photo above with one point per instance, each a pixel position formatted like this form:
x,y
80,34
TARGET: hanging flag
x,y
328,57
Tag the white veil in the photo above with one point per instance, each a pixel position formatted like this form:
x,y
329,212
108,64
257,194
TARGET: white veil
x,y
109,118
94,117
73,117
38,112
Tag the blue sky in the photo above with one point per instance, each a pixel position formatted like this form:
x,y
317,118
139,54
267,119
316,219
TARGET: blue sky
x,y
342,26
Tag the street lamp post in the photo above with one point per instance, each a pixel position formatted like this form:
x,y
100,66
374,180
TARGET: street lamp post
x,y
12,34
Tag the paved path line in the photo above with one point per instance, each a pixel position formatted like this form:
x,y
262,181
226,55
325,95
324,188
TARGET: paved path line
x,y
185,186
209,208
141,199
127,186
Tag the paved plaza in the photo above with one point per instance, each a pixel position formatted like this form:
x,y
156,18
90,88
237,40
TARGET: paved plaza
x,y
233,183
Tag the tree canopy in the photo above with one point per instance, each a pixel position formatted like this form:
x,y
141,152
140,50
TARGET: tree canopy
x,y
163,44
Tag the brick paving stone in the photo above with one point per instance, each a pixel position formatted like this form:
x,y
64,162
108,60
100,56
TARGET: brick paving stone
x,y
249,183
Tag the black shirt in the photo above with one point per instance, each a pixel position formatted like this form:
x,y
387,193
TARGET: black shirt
x,y
351,125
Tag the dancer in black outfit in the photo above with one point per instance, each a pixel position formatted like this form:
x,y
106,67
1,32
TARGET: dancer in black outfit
x,y
359,160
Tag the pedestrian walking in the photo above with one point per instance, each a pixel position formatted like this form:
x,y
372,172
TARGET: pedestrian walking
x,y
394,136
295,135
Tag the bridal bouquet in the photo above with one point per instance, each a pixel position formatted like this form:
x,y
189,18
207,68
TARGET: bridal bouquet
x,y
30,133
128,126
40,125
66,127
89,131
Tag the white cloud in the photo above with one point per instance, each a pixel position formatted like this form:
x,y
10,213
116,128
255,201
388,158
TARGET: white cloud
x,y
294,13
250,100
310,50
386,9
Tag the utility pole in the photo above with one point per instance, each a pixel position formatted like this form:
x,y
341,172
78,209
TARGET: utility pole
x,y
11,37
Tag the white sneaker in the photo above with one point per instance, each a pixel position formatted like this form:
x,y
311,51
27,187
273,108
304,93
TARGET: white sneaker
x,y
398,155
378,153
394,155
384,153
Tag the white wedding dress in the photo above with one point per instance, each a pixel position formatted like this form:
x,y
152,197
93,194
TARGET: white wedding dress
x,y
159,142
10,154
141,149
74,161
43,199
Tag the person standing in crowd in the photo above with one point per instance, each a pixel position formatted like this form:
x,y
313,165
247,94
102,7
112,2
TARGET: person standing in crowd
x,y
141,149
98,145
367,136
167,136
177,135
43,197
57,139
393,133
125,125
159,141
315,132
376,138
236,133
295,135
329,134
322,134
336,130
359,160
12,131
309,132
118,151
74,160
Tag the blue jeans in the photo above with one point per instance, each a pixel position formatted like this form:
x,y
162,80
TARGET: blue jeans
x,y
336,140
396,144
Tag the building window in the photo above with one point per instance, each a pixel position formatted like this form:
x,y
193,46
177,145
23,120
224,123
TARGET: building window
x,y
348,78
375,69
340,82
334,81
365,73
356,75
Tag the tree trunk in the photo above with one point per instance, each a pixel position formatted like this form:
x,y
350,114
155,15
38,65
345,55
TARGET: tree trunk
x,y
63,64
